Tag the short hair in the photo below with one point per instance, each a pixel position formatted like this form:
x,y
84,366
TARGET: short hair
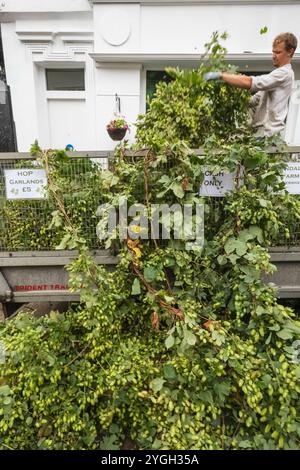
x,y
289,39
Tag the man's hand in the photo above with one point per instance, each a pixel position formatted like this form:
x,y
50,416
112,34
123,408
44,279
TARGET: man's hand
x,y
212,76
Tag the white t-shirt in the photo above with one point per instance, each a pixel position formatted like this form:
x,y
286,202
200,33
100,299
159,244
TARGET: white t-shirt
x,y
269,104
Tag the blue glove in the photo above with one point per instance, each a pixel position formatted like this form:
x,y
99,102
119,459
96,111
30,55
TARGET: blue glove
x,y
69,148
212,76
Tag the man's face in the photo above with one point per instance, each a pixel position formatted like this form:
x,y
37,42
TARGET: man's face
x,y
280,55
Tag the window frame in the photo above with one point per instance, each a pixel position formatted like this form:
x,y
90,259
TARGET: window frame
x,y
64,90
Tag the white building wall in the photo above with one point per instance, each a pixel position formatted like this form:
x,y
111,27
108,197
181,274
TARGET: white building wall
x,y
117,30
32,6
63,33
125,82
39,41
187,28
20,77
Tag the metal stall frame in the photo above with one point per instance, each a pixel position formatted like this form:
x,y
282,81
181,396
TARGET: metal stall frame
x,y
39,276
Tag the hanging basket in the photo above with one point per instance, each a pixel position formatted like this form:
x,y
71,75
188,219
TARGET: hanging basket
x,y
117,133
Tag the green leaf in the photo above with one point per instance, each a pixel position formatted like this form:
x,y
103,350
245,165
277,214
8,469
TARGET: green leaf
x,y
251,162
157,384
222,389
260,310
90,300
177,190
50,359
241,248
7,401
222,260
54,316
284,334
150,273
169,371
292,326
230,245
274,328
251,274
136,287
170,261
170,341
233,258
110,443
157,444
218,338
164,179
206,396
190,338
251,233
114,429
297,372
245,235
109,179
4,390
64,242
263,202
267,379
263,30
245,444
57,220
90,437
256,232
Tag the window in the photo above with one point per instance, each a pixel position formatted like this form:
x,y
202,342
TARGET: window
x,y
65,79
153,78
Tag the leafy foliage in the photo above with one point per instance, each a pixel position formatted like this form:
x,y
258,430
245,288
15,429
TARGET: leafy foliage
x,y
26,224
263,30
118,123
177,349
191,109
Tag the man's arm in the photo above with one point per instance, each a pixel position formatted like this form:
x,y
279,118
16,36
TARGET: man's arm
x,y
270,80
240,81
262,82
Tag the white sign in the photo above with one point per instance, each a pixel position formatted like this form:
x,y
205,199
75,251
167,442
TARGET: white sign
x,y
292,178
216,185
25,183
219,184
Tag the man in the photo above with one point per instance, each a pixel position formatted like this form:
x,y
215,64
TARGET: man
x,y
271,92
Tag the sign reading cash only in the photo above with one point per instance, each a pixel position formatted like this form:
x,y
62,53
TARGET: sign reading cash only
x,y
25,183
217,185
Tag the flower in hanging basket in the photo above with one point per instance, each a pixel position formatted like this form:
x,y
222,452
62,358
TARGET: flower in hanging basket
x,y
117,128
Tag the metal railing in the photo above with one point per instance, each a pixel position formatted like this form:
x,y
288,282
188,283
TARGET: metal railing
x,y
25,224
